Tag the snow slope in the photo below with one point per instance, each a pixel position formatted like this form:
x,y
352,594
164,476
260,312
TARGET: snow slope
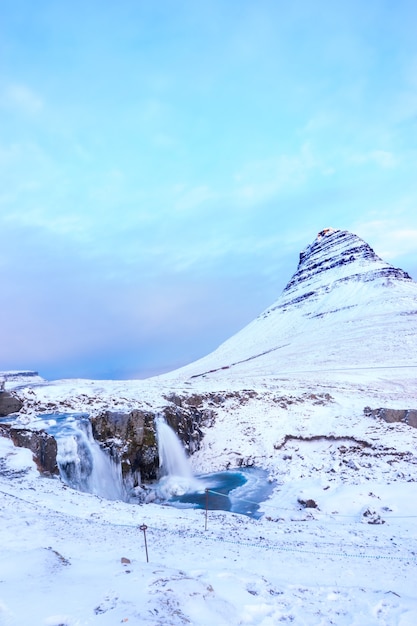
x,y
337,543
72,559
344,307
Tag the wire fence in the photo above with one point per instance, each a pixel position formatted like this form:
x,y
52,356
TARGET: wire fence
x,y
280,547
318,548
316,510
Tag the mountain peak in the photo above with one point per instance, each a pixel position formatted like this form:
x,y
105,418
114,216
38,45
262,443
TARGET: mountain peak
x,y
343,307
338,255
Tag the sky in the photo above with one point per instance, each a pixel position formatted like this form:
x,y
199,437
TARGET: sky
x,y
162,165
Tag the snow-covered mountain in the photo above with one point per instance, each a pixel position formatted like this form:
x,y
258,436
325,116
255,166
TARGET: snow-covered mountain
x,y
316,391
345,315
344,307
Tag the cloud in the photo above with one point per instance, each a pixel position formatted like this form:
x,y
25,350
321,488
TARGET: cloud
x,y
20,97
321,120
381,158
390,238
191,198
258,181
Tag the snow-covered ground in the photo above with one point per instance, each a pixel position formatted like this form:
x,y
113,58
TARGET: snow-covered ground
x,y
352,560
75,559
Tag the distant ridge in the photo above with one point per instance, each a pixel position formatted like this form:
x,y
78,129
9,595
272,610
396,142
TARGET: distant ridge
x,y
14,377
343,307
17,374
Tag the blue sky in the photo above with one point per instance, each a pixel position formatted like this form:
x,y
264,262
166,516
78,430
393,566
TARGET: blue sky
x,y
162,164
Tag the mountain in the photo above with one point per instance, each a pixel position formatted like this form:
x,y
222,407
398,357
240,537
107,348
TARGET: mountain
x,y
334,355
343,308
319,393
345,314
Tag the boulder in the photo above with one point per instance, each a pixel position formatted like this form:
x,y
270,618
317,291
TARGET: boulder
x,y
404,416
42,445
9,403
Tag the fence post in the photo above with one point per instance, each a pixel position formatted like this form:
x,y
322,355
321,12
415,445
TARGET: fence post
x,y
207,491
143,528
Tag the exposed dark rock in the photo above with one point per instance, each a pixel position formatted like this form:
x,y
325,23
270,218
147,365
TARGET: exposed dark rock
x,y
16,375
9,403
360,443
333,248
308,504
404,416
372,517
411,418
131,437
42,445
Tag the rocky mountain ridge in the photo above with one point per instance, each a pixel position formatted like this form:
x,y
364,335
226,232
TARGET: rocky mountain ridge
x,y
346,256
343,307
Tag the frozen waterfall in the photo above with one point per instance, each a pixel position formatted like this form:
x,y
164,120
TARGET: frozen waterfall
x,y
84,466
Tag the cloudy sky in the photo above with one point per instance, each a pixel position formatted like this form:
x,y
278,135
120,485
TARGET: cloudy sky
x,y
162,164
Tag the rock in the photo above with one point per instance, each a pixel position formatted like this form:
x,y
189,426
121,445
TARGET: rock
x,y
9,403
131,437
308,504
352,464
411,418
405,416
42,445
372,517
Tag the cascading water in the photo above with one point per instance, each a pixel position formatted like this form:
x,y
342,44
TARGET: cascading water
x,y
86,467
177,476
172,457
238,491
82,464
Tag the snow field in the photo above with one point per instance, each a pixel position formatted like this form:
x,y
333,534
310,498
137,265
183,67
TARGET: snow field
x,y
62,563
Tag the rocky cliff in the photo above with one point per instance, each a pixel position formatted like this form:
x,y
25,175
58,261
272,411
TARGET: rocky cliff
x,y
131,436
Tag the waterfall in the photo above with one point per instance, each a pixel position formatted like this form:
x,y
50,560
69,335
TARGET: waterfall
x,y
84,466
172,458
177,476
239,491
